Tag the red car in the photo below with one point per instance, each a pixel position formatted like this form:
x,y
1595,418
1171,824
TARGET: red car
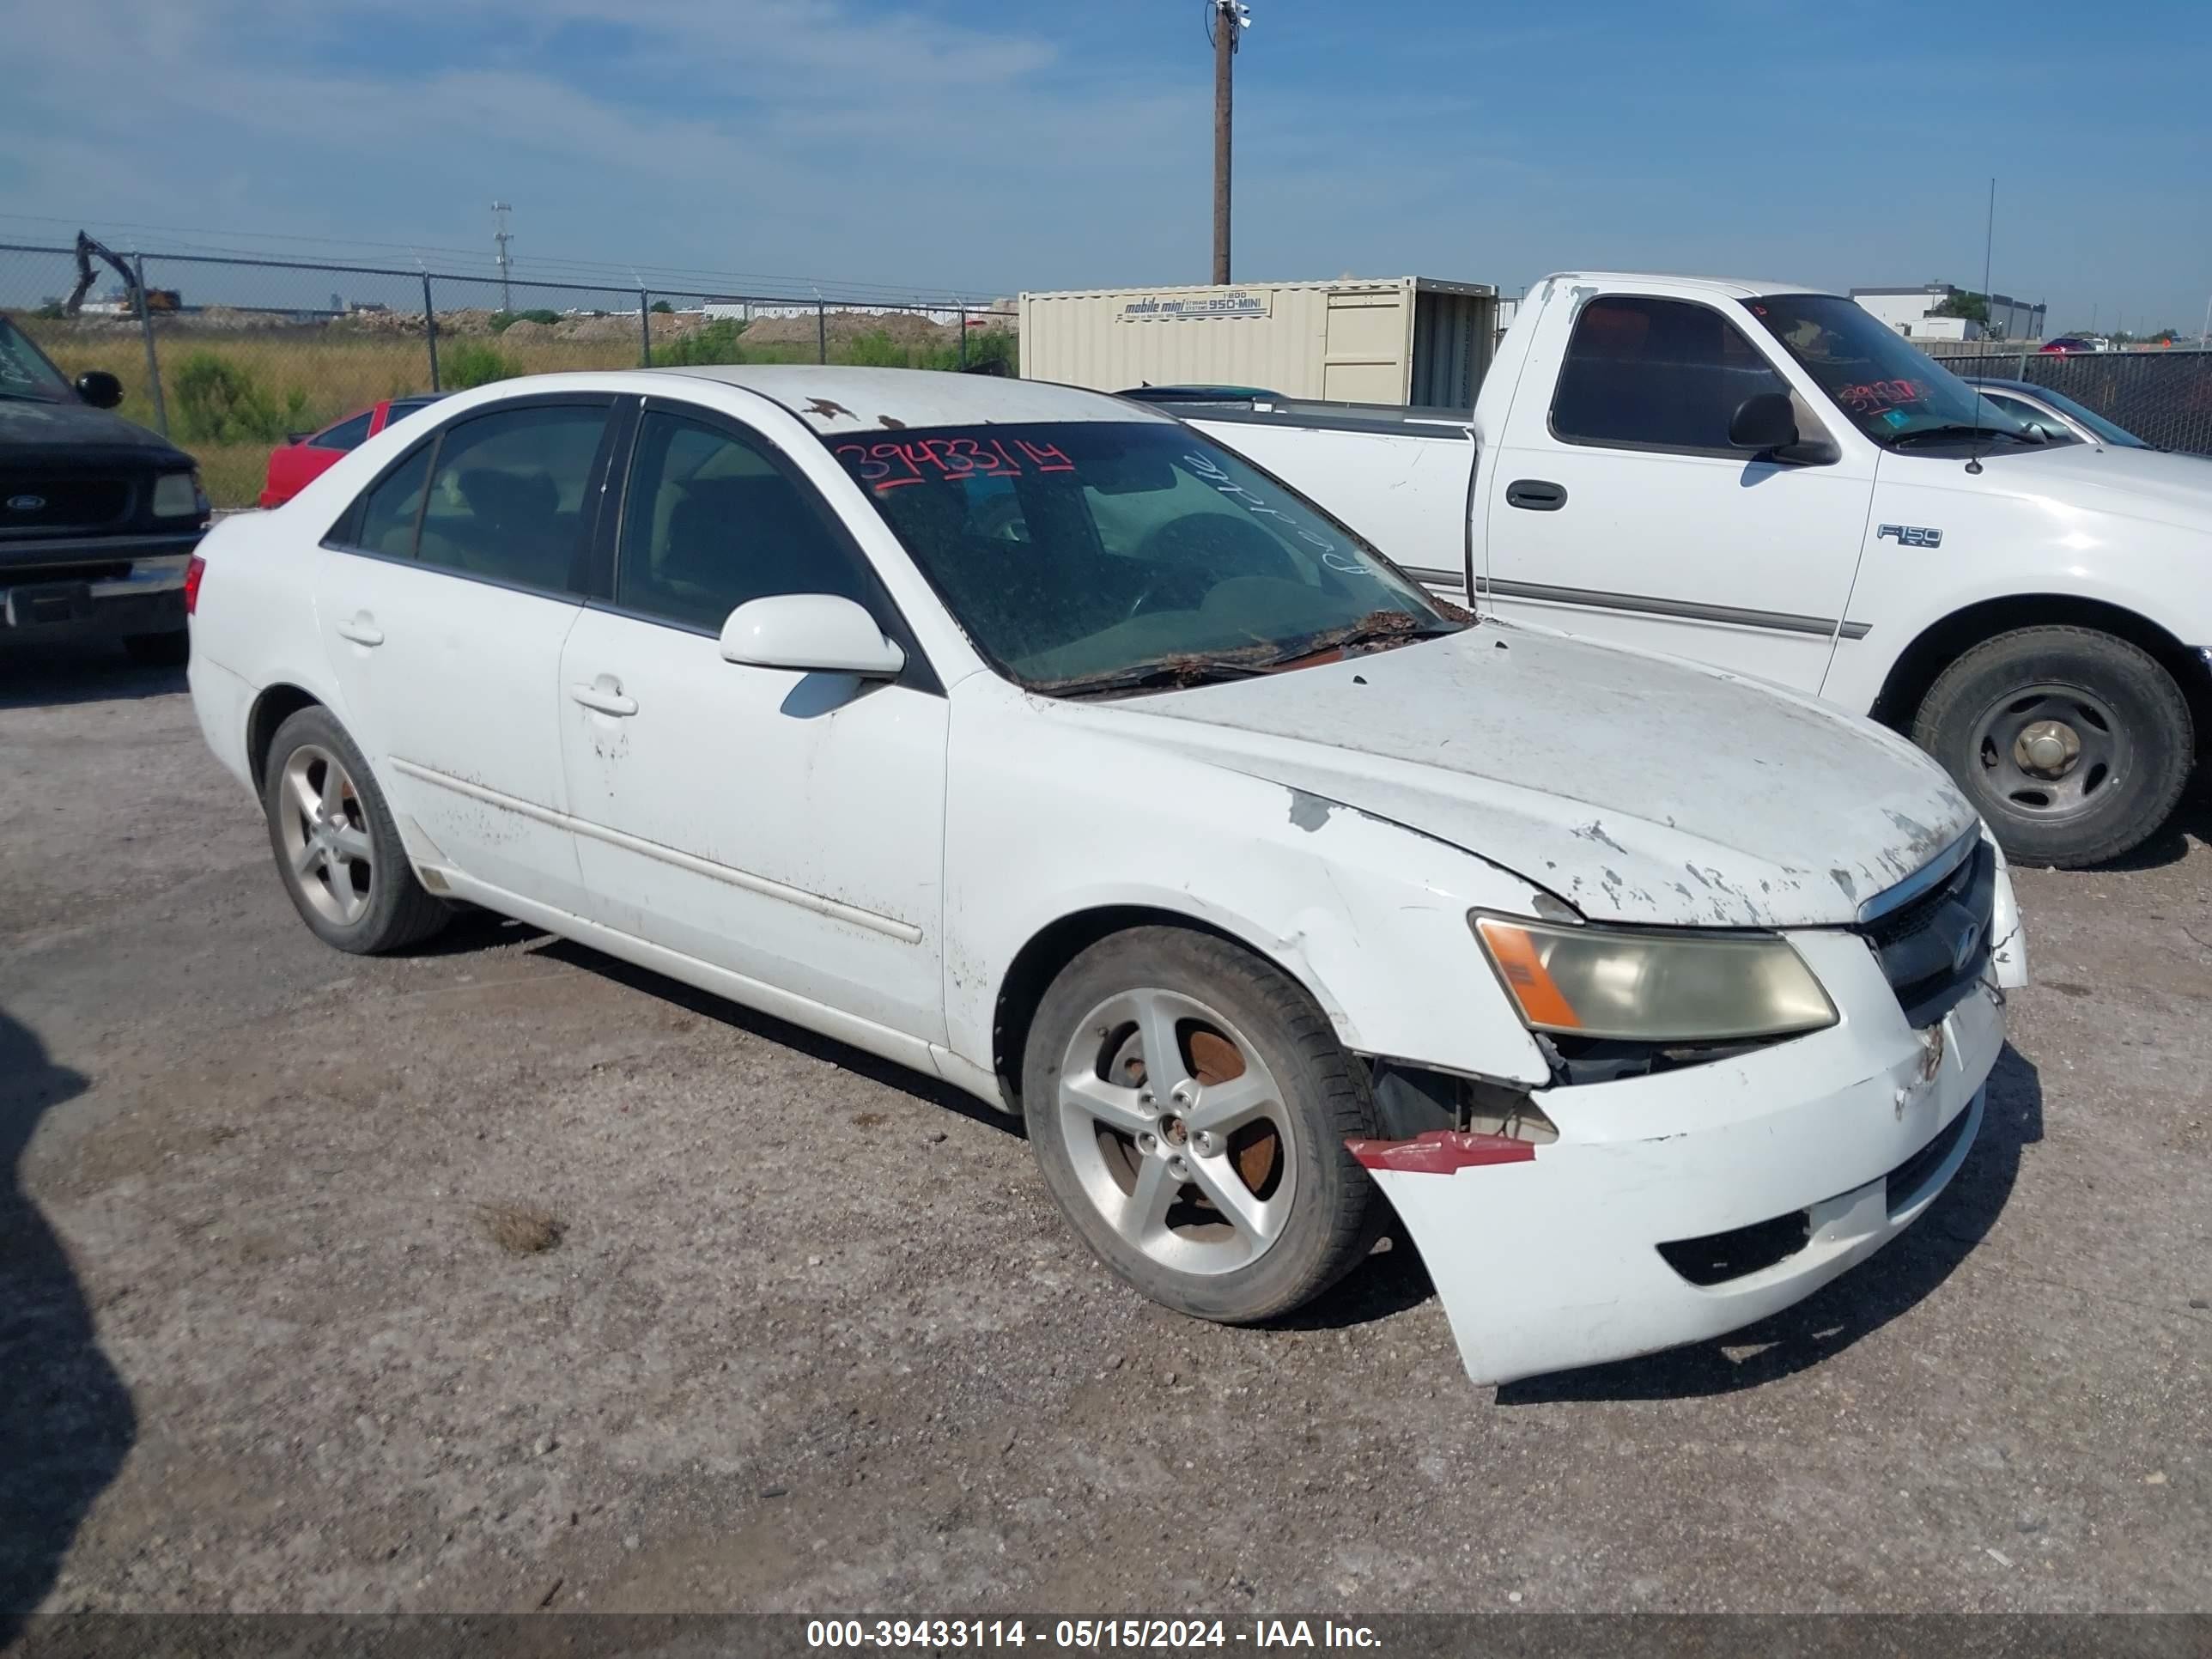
x,y
299,460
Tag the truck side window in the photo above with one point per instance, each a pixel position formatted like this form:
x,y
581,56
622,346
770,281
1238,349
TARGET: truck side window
x,y
1647,373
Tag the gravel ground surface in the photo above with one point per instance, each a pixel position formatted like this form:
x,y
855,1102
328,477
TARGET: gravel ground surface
x,y
506,1276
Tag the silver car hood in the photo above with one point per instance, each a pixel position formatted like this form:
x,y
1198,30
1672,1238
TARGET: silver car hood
x,y
1638,787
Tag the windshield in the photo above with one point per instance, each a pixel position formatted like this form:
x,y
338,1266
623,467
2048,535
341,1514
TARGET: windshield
x,y
24,370
1890,391
2118,436
1083,550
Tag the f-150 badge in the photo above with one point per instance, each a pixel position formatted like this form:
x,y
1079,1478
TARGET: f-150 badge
x,y
1910,535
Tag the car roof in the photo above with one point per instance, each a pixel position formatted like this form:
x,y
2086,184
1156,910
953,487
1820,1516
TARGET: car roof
x,y
1729,287
835,399
2001,385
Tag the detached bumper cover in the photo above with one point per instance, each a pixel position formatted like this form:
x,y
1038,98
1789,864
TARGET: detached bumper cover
x,y
1793,1164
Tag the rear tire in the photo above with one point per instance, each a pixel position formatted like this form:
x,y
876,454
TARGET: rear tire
x,y
171,650
337,847
1217,1181
2074,745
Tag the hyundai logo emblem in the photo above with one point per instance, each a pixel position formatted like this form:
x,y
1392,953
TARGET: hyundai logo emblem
x,y
26,503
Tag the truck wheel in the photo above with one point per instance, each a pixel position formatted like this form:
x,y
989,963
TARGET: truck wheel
x,y
336,844
1189,1105
170,650
2072,744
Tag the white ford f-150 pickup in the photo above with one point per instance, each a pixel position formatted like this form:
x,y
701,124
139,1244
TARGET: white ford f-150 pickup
x,y
1772,482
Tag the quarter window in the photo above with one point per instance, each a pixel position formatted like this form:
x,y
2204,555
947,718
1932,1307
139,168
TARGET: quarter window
x,y
507,500
1656,373
709,522
389,511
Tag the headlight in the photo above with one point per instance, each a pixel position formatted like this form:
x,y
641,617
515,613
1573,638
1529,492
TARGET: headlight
x,y
1652,987
177,496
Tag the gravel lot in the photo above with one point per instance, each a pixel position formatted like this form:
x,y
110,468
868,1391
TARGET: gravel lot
x,y
810,1336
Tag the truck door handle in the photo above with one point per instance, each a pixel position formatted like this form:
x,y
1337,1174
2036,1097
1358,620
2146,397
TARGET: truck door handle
x,y
362,630
1536,495
605,695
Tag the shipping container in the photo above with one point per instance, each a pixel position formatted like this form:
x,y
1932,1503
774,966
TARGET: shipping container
x,y
1406,340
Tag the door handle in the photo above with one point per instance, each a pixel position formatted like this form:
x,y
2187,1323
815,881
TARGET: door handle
x,y
362,630
1536,495
607,697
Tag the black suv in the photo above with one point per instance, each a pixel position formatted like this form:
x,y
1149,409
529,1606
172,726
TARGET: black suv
x,y
98,517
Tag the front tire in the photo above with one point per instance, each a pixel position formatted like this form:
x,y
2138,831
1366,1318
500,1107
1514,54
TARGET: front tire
x,y
2074,745
1189,1105
336,844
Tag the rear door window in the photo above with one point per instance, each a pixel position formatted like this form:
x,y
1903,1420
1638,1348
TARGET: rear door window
x,y
507,495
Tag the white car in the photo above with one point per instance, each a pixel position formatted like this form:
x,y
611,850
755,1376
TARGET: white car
x,y
1032,739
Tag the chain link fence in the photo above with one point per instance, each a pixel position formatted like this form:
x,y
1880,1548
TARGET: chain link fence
x,y
229,357
2164,398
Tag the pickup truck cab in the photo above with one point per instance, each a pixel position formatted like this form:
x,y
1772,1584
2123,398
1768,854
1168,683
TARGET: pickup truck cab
x,y
1770,481
98,516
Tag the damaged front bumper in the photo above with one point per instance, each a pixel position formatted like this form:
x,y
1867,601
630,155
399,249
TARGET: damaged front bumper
x,y
1678,1207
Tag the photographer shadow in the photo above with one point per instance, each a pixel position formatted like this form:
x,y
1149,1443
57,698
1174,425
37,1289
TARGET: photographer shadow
x,y
66,1421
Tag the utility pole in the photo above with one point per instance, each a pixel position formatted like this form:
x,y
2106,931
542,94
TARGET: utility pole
x,y
1225,23
501,235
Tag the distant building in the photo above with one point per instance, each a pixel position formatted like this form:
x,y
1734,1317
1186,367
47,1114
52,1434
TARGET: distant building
x,y
1911,311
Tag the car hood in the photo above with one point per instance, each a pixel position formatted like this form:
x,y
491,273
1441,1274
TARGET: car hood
x,y
2136,483
1638,787
72,433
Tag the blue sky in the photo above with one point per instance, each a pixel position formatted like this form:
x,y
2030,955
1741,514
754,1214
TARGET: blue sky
x,y
987,149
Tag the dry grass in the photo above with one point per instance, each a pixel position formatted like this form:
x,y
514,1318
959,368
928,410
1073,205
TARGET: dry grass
x,y
317,375
329,373
520,1229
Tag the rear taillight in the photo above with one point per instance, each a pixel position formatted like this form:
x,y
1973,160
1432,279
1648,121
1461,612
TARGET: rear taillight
x,y
193,572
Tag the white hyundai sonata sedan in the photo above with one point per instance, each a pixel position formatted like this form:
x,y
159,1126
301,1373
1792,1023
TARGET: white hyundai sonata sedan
x,y
1031,738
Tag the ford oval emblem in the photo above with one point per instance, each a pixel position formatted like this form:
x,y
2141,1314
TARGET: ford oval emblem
x,y
26,503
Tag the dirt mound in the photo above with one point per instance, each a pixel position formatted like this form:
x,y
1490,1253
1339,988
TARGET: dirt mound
x,y
905,328
528,328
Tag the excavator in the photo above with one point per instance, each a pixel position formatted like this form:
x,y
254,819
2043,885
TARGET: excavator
x,y
156,299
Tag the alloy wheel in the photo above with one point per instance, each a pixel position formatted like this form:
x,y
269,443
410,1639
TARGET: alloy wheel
x,y
324,830
1178,1131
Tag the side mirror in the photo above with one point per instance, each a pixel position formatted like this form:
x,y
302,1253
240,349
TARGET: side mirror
x,y
814,633
1765,421
100,388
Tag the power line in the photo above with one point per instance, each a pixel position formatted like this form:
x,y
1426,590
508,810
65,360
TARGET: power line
x,y
678,279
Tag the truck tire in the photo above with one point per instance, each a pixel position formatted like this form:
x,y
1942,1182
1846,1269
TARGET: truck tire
x,y
2074,745
336,848
1214,1180
170,650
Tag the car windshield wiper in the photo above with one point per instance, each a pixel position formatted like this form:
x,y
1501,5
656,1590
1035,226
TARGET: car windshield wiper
x,y
1176,673
1376,628
1958,432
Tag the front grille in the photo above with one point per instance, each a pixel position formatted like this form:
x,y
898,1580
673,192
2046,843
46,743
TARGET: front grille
x,y
1903,1184
1934,950
31,503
